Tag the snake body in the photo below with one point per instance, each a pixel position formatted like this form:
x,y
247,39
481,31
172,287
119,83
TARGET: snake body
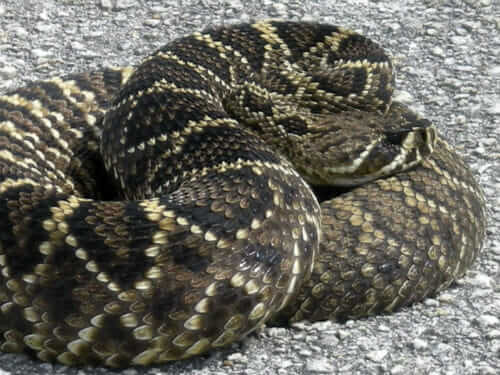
x,y
153,213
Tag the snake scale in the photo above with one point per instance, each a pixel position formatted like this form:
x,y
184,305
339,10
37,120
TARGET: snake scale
x,y
157,212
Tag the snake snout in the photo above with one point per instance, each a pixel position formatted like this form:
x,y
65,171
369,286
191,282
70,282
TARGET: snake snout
x,y
398,150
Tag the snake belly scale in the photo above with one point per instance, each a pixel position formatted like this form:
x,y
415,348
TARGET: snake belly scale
x,y
157,212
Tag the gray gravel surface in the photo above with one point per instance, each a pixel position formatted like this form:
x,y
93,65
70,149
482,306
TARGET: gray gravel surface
x,y
448,63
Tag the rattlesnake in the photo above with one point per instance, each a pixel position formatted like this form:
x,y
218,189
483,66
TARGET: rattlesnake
x,y
153,213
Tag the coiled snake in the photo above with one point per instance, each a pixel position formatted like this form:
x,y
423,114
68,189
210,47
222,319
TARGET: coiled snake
x,y
153,213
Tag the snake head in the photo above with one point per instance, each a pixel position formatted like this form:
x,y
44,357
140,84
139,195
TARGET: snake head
x,y
352,148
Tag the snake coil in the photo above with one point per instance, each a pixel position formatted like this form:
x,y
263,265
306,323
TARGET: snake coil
x,y
153,213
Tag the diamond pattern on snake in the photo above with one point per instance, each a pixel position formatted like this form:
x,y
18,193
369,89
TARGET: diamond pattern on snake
x,y
241,175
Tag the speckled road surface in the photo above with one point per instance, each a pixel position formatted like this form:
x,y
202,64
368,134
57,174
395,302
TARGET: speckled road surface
x,y
448,65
